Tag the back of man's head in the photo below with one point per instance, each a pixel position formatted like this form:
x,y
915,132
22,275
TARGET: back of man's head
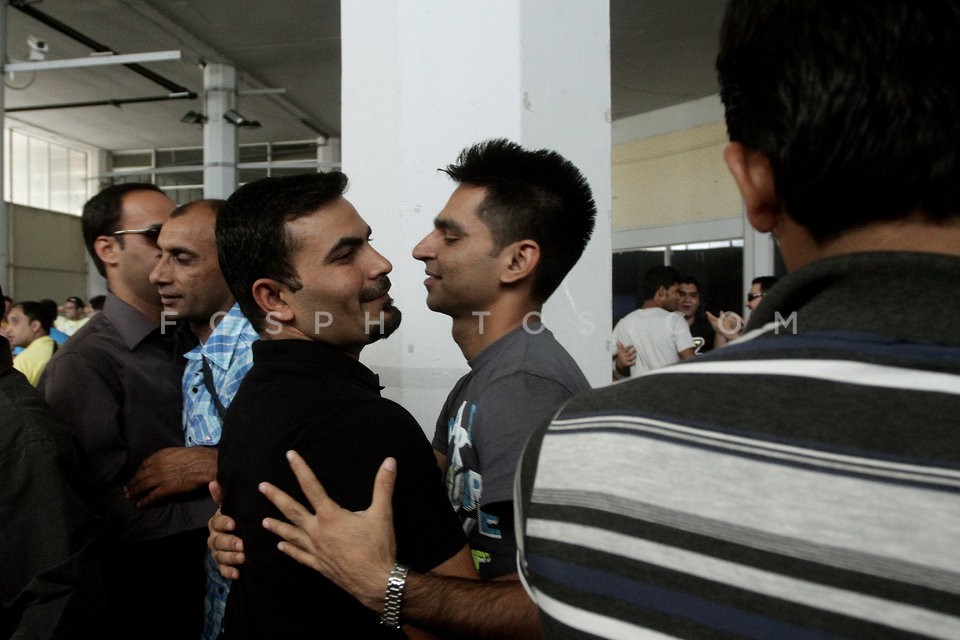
x,y
854,103
252,241
657,277
536,195
102,212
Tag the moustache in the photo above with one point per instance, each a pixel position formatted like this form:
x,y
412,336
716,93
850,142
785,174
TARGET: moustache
x,y
381,288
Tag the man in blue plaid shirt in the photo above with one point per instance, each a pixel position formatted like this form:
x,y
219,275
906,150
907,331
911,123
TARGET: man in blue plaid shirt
x,y
192,289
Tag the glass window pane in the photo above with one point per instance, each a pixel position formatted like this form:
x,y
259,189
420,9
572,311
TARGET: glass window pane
x,y
253,153
293,151
132,159
78,181
185,178
19,163
59,178
249,175
39,168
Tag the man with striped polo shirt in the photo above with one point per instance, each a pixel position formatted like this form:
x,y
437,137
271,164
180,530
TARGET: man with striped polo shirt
x,y
803,482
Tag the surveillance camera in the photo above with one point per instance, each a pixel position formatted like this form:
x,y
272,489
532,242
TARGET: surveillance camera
x,y
38,48
38,44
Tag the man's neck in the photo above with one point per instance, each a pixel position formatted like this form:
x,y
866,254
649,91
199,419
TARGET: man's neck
x,y
916,233
203,329
150,309
289,332
476,332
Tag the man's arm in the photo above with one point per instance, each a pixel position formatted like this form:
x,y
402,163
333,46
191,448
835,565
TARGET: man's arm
x,y
357,552
687,354
171,471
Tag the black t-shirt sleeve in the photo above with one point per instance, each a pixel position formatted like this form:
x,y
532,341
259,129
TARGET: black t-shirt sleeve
x,y
426,528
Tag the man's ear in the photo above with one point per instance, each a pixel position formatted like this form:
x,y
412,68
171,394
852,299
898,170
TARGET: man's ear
x,y
35,327
269,296
521,258
106,249
754,177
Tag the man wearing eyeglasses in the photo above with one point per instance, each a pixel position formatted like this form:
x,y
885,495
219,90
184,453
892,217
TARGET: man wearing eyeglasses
x,y
116,384
758,289
728,325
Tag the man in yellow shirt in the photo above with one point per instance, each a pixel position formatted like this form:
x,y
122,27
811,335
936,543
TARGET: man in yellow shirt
x,y
74,316
28,326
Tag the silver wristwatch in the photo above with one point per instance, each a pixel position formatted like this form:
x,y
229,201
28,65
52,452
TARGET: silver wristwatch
x,y
391,599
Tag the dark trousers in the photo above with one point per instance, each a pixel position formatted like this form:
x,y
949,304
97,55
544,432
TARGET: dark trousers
x,y
155,588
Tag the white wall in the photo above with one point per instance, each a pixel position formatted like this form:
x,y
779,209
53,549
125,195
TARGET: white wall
x,y
422,80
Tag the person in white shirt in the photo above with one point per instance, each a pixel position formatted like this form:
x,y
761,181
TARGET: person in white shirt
x,y
656,334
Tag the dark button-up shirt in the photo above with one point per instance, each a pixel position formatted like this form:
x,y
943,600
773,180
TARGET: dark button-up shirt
x,y
116,384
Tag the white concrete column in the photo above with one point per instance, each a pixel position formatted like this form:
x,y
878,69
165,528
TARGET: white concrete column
x,y
758,255
423,79
219,136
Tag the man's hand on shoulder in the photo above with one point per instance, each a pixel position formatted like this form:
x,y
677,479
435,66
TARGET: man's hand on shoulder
x,y
171,471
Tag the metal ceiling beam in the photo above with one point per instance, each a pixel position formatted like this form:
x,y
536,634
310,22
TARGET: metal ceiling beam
x,y
116,102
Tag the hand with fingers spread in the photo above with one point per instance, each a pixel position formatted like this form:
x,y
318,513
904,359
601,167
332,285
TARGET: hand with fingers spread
x,y
356,550
227,549
171,471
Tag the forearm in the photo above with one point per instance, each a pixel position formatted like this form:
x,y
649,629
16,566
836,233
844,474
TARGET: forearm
x,y
462,608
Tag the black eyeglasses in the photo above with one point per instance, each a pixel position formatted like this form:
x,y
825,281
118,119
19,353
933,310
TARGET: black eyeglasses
x,y
152,232
753,296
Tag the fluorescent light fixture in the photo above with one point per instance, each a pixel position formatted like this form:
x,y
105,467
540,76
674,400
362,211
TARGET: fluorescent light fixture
x,y
92,61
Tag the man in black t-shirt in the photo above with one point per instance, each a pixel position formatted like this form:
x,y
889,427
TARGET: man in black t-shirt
x,y
700,328
297,257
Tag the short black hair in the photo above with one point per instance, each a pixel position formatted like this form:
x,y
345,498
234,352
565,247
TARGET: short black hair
x,y
765,282
102,212
656,277
77,301
96,302
538,195
252,240
39,311
854,102
690,280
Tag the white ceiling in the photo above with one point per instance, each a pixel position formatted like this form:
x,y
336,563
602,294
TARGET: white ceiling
x,y
662,53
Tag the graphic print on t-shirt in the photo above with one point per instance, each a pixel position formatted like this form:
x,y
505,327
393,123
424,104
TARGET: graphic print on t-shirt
x,y
465,482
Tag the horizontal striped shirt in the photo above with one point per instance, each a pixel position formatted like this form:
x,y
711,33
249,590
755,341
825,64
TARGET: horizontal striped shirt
x,y
803,482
